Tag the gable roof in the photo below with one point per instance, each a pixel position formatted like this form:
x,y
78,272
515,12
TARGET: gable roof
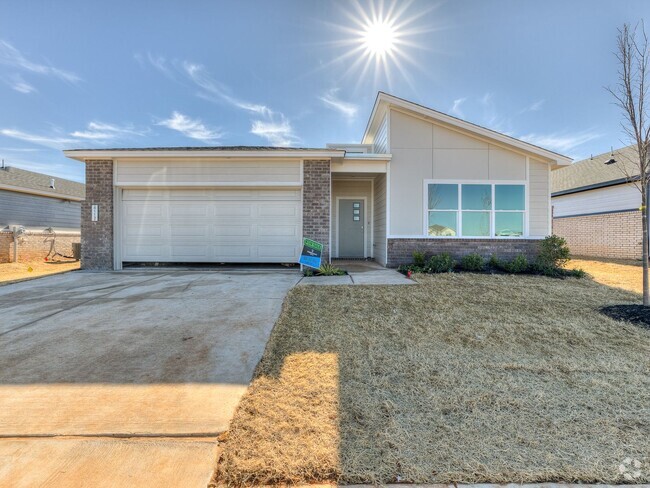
x,y
592,173
385,101
23,181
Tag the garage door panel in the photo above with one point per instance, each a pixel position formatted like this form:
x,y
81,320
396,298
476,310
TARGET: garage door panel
x,y
211,225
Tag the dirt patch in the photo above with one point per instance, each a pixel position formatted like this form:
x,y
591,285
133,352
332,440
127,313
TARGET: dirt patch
x,y
627,275
465,378
13,272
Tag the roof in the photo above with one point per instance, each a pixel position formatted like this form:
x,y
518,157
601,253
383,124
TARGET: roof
x,y
205,151
385,99
20,180
594,173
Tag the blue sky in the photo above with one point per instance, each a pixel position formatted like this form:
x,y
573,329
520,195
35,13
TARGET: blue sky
x,y
171,73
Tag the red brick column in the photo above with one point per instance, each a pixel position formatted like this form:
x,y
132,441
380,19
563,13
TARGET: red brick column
x,y
316,203
97,237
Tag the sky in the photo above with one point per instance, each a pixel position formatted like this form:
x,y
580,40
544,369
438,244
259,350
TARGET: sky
x,y
80,74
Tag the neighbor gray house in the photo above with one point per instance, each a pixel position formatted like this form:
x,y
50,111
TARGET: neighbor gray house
x,y
596,206
41,208
418,179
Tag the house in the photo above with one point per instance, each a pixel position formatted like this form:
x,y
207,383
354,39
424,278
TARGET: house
x,y
43,210
420,179
596,206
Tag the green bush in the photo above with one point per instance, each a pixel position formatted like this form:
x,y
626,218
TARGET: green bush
x,y
405,268
495,262
472,262
576,273
419,259
441,263
517,265
327,269
553,253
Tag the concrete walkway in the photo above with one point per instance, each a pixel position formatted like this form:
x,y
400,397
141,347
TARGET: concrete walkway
x,y
360,273
126,379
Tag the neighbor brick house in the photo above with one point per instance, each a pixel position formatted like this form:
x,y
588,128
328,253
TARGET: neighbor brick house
x,y
420,179
596,206
40,215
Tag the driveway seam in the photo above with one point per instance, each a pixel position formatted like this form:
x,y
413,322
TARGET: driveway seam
x,y
78,305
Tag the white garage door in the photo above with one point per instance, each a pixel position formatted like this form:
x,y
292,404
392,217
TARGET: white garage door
x,y
211,226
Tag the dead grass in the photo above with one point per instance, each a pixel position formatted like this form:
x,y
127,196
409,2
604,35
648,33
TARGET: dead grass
x,y
465,378
627,275
13,272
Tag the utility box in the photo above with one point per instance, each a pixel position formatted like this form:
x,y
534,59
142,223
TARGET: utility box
x,y
76,250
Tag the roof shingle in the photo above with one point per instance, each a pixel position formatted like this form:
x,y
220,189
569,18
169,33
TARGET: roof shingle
x,y
37,181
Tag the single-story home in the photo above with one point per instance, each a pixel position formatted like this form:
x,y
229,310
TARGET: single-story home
x,y
419,180
596,206
39,215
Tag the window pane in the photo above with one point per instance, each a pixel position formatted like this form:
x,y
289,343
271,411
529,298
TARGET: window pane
x,y
477,197
442,224
476,224
509,224
443,197
509,197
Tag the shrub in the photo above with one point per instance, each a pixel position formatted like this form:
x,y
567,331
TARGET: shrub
x,y
576,273
553,253
441,263
327,269
517,265
494,262
405,268
419,259
472,262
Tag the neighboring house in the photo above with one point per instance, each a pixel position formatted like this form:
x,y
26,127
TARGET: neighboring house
x,y
44,210
420,179
596,206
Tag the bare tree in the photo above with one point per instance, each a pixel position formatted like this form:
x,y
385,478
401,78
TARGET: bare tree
x,y
631,94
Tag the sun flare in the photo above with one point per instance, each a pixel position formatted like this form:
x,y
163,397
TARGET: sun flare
x,y
379,38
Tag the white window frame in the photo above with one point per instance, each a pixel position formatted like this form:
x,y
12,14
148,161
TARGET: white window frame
x,y
459,211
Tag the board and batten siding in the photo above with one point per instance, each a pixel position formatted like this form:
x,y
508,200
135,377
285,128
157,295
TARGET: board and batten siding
x,y
538,195
34,211
352,189
422,150
380,145
610,199
379,220
207,173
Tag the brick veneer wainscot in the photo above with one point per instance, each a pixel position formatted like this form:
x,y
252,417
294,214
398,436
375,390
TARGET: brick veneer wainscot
x,y
400,251
611,235
97,237
316,198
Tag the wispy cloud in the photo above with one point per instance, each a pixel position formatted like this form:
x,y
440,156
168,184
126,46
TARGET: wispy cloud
x,y
269,124
54,141
10,56
455,108
535,106
17,83
331,100
192,128
101,131
561,142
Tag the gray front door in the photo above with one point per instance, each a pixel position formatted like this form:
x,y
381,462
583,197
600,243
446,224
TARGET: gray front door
x,y
351,224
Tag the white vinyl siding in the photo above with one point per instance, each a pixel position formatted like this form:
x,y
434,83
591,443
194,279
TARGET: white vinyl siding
x,y
608,199
539,188
351,189
381,137
379,220
208,173
211,225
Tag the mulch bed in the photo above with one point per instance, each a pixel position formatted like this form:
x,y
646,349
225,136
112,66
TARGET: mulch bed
x,y
636,314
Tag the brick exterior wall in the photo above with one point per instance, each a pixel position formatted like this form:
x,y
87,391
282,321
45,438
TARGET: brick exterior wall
x,y
400,251
612,235
316,203
37,246
97,237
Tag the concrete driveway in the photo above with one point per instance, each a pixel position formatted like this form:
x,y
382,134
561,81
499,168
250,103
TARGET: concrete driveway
x,y
126,379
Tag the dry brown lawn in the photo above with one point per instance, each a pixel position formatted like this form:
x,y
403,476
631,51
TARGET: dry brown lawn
x,y
627,275
13,272
465,378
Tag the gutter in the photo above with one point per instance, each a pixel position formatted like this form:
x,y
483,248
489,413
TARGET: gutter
x,y
595,186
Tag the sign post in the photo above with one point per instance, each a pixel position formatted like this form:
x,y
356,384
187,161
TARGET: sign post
x,y
311,253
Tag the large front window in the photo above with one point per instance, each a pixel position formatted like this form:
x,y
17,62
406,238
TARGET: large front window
x,y
476,210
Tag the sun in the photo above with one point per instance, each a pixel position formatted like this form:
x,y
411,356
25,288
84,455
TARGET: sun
x,y
379,38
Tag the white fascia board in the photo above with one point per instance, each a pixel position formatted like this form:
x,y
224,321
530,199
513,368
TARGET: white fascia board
x,y
384,101
40,193
368,157
83,155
